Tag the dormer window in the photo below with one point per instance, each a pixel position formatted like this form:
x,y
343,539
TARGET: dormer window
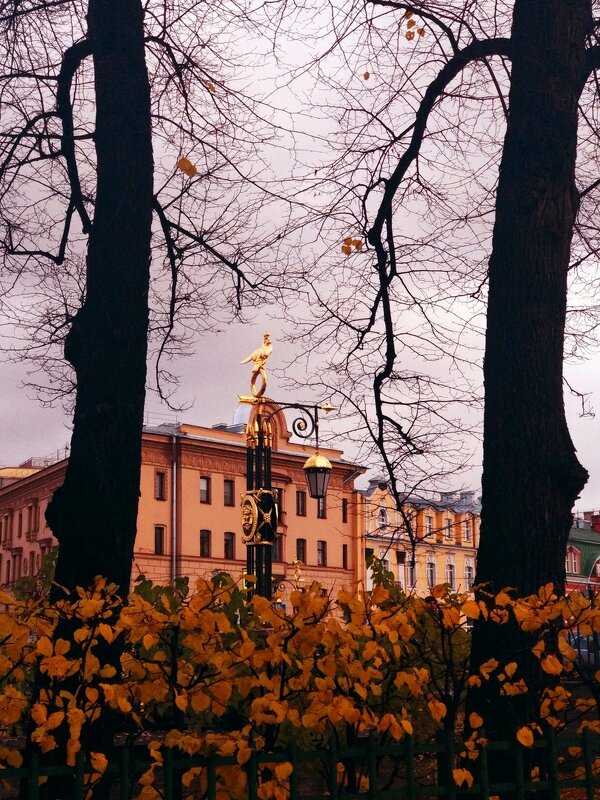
x,y
382,518
573,560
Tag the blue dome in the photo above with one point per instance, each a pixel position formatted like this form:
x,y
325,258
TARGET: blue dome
x,y
241,415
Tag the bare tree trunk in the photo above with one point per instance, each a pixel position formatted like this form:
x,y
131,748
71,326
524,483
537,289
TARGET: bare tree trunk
x,y
93,515
531,476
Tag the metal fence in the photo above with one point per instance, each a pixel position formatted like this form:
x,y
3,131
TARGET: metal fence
x,y
371,771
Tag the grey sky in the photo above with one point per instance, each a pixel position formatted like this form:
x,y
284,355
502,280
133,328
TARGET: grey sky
x,y
210,384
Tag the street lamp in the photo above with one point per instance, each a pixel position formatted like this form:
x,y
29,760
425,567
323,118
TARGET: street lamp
x,y
259,509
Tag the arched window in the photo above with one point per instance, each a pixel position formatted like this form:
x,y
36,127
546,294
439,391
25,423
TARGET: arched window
x,y
469,574
383,519
450,573
430,571
573,560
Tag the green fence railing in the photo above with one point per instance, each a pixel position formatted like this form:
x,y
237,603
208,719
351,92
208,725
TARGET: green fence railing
x,y
371,771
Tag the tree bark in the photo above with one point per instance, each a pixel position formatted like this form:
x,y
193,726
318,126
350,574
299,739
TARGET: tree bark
x,y
531,476
93,515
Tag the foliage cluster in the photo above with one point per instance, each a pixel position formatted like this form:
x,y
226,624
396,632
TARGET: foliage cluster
x,y
209,673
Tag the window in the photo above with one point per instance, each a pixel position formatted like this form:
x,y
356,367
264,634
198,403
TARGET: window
x,y
278,492
345,509
204,489
322,508
205,537
301,550
20,525
229,546
382,518
428,526
160,485
411,574
448,528
228,493
301,504
430,571
384,558
467,530
344,556
278,547
469,574
572,560
321,553
450,574
159,540
8,571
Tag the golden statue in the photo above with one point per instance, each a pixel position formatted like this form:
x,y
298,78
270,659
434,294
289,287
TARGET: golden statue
x,y
259,357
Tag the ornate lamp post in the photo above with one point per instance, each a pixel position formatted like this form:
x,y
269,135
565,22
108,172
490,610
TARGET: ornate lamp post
x,y
259,509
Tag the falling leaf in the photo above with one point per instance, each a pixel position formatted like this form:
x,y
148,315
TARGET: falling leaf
x,y
186,166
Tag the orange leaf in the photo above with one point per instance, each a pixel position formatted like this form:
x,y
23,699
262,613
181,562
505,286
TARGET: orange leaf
x,y
525,736
551,665
475,721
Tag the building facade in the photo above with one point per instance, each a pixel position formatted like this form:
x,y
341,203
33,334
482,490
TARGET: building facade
x,y
582,559
428,542
192,480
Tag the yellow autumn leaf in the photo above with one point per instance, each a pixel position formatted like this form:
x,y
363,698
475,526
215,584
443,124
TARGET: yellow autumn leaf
x,y
437,709
99,762
91,694
61,646
44,646
511,668
525,736
39,713
243,755
551,665
73,747
462,776
488,667
186,166
470,609
475,721
283,770
106,632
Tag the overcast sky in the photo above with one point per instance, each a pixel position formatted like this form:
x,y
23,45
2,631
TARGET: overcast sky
x,y
210,384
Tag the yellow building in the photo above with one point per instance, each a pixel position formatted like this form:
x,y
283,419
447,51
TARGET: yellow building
x,y
192,479
427,542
